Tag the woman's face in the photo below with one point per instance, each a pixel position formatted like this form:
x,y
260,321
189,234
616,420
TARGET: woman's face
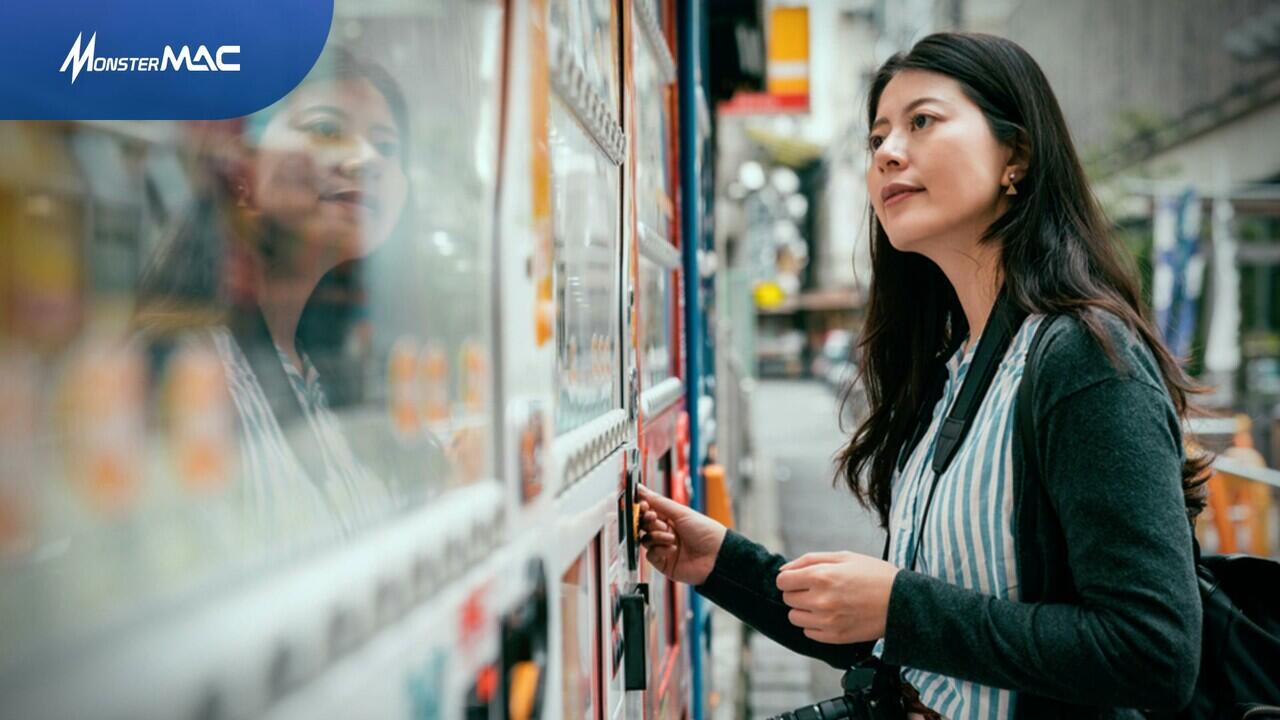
x,y
928,136
328,168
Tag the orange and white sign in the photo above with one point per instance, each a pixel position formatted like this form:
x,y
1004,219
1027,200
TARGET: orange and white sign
x,y
786,69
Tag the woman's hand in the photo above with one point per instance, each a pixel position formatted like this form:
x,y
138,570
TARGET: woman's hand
x,y
838,597
680,542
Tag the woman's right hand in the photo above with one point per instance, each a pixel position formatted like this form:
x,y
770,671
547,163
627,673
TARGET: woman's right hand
x,y
680,542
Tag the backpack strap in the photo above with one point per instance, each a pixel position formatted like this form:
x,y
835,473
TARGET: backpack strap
x,y
1002,325
924,413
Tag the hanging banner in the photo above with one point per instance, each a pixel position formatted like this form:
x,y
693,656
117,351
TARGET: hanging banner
x,y
786,71
1222,344
1178,270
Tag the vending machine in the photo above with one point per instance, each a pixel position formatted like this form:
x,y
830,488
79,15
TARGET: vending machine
x,y
339,409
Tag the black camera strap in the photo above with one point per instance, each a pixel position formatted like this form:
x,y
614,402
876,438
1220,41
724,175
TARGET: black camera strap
x,y
1002,325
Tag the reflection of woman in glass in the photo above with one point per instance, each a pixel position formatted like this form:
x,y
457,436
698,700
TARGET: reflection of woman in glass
x,y
297,205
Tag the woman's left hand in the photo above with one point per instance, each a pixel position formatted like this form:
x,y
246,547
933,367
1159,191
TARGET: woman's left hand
x,y
838,597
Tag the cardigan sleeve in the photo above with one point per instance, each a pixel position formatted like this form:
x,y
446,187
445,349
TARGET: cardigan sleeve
x,y
1131,638
744,582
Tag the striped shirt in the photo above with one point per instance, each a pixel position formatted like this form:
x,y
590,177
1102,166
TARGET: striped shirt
x,y
968,540
287,498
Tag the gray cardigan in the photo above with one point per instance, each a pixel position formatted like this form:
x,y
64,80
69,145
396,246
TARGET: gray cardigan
x,y
1109,616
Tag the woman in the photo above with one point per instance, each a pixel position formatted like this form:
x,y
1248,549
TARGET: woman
x,y
303,198
1071,597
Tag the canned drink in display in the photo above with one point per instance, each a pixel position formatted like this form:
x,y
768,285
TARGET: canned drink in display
x,y
475,376
532,454
402,395
433,383
19,402
201,421
105,426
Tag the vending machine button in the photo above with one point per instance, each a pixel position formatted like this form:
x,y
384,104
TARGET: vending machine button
x,y
523,690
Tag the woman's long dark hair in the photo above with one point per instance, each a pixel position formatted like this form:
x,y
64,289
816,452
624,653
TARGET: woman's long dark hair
x,y
1057,256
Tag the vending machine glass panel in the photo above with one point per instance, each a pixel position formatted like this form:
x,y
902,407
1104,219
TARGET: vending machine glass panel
x,y
225,343
585,218
587,32
656,311
580,636
654,200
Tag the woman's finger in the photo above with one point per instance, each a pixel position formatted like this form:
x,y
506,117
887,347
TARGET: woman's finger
x,y
805,619
822,636
800,599
814,558
665,537
659,538
795,580
663,528
656,526
662,504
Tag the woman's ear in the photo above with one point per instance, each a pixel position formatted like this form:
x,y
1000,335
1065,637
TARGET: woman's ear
x,y
1019,160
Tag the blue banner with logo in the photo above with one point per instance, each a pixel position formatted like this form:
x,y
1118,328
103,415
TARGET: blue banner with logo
x,y
154,59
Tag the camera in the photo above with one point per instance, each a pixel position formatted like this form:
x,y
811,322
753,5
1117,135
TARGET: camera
x,y
871,692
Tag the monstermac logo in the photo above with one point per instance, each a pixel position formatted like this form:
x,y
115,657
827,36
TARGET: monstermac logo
x,y
199,60
149,60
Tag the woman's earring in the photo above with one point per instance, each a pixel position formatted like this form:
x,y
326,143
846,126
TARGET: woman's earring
x,y
1012,190
242,194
